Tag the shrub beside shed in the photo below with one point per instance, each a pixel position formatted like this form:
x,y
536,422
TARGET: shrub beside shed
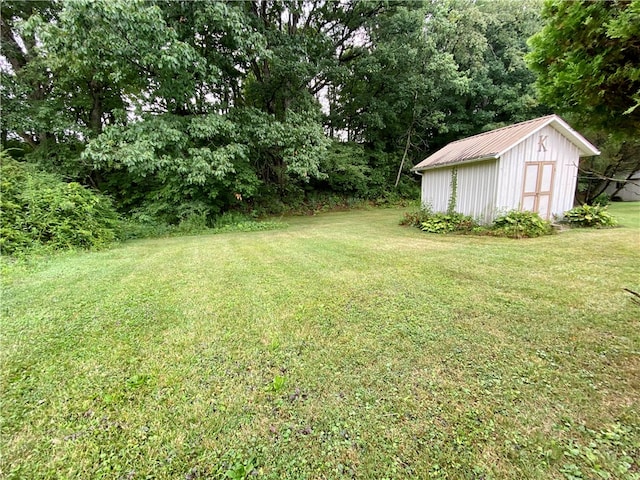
x,y
530,166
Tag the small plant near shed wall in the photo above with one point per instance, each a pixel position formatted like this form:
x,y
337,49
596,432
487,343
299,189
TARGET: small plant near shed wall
x,y
432,222
521,224
589,216
415,218
447,222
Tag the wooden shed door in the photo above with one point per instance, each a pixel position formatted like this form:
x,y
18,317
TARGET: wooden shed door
x,y
538,187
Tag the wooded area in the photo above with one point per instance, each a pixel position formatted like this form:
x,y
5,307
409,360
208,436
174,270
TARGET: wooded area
x,y
182,109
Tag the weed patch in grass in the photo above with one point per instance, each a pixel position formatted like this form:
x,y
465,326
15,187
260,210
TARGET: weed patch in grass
x,y
131,230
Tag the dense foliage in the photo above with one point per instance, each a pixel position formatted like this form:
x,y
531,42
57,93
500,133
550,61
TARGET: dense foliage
x,y
181,109
38,210
586,51
438,222
447,222
521,224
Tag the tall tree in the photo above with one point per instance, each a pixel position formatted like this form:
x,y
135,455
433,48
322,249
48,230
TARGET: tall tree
x,y
225,45
203,103
198,139
587,58
393,90
309,43
105,50
430,74
488,40
28,109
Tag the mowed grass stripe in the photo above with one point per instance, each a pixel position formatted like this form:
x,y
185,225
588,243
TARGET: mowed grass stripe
x,y
403,355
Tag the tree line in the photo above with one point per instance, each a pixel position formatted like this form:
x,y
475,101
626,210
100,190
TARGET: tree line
x,y
176,109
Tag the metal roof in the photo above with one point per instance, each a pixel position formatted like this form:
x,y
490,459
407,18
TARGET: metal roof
x,y
494,144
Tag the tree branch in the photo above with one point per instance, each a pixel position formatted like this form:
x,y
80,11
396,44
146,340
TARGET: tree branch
x,y
10,48
408,144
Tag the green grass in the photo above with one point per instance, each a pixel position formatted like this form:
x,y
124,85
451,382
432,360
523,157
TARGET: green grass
x,y
344,346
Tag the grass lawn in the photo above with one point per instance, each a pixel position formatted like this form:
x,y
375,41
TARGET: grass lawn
x,y
344,346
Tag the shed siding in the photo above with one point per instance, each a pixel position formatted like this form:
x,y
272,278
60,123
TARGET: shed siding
x,y
559,150
436,189
477,190
475,193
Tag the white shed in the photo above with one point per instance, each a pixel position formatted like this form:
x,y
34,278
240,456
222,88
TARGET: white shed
x,y
531,166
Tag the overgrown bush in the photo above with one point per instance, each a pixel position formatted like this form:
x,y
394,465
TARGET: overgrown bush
x,y
355,171
40,210
250,226
347,169
589,216
141,226
415,218
520,224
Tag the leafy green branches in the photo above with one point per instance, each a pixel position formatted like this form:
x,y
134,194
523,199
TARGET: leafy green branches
x,y
398,86
294,146
215,160
586,59
120,47
40,211
487,40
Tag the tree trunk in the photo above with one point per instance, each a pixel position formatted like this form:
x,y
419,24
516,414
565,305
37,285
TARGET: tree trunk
x,y
404,155
96,116
408,144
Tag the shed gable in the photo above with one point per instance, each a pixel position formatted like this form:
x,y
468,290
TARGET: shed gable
x,y
532,166
547,145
